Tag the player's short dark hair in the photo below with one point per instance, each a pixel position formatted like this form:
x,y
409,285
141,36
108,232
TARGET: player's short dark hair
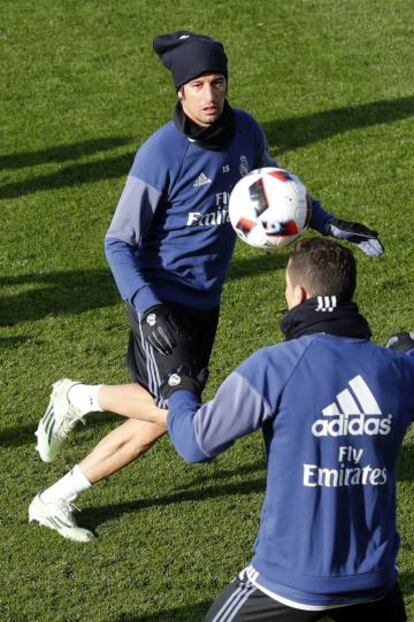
x,y
324,267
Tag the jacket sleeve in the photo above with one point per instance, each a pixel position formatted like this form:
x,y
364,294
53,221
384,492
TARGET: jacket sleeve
x,y
320,219
200,433
244,402
262,156
132,219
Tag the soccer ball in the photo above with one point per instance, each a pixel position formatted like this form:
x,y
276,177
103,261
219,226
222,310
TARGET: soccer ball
x,y
269,207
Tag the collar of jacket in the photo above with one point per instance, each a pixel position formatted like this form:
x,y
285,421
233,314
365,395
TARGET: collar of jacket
x,y
325,314
214,137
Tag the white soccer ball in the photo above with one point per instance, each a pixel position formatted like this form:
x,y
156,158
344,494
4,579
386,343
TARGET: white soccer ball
x,y
269,207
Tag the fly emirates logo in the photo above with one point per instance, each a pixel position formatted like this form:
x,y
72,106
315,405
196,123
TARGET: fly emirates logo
x,y
219,216
354,414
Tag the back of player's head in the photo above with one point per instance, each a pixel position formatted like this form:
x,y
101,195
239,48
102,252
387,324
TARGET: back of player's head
x,y
323,267
188,55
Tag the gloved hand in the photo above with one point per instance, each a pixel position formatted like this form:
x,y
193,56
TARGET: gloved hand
x,y
182,379
402,342
367,239
161,330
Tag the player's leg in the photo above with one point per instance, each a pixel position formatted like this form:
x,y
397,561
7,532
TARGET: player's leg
x,y
119,448
71,401
241,601
54,507
132,401
391,608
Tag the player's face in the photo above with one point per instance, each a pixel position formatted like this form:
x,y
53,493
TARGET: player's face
x,y
203,98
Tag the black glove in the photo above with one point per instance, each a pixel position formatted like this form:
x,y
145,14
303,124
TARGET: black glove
x,y
402,342
366,239
182,379
161,330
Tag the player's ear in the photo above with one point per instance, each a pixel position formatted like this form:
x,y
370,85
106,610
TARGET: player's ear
x,y
301,294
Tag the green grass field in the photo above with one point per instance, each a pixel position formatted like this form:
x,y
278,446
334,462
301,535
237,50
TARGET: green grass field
x,y
332,84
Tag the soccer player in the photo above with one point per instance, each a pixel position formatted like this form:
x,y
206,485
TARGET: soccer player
x,y
169,246
333,408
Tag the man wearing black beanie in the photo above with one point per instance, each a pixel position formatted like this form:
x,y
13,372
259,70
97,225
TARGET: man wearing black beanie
x,y
169,247
197,64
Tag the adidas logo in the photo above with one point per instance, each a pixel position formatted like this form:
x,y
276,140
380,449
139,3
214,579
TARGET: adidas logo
x,y
354,412
348,405
201,180
326,303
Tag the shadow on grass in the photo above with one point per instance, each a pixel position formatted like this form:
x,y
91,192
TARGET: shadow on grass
x,y
13,342
76,291
406,464
61,153
406,581
262,261
283,135
71,176
61,293
18,435
260,465
290,134
93,517
188,613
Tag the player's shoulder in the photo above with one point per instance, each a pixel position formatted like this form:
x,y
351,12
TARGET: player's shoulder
x,y
244,116
268,370
159,156
284,355
245,120
164,142
392,354
248,126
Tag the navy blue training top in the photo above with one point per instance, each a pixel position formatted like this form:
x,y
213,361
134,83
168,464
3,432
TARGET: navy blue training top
x,y
171,238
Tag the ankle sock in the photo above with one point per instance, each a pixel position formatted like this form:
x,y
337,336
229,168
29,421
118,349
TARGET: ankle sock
x,y
85,397
68,487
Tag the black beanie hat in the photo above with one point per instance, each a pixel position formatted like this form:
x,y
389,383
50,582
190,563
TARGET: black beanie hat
x,y
188,55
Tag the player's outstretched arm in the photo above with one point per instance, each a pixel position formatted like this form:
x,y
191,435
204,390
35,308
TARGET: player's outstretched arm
x,y
242,404
200,432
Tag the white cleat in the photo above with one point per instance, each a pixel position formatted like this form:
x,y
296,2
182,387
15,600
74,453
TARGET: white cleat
x,y
58,516
59,419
